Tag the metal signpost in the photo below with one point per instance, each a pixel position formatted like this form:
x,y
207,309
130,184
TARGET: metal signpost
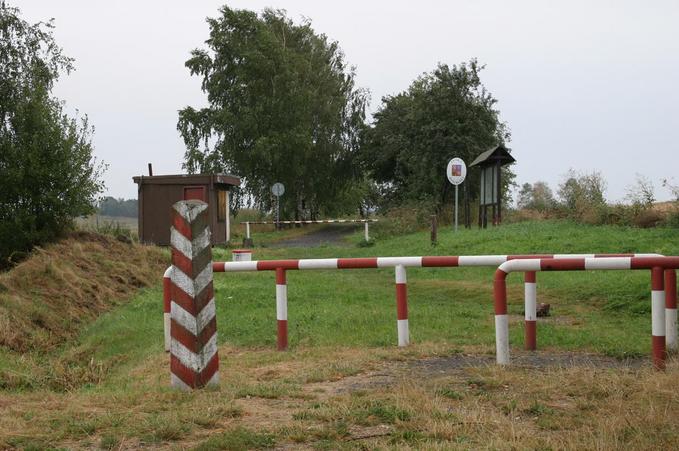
x,y
278,190
456,173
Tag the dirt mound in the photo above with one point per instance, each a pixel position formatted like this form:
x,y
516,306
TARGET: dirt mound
x,y
45,299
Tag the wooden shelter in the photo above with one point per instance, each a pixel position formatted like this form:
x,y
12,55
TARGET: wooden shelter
x,y
157,194
490,196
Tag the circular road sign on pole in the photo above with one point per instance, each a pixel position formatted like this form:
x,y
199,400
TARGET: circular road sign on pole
x,y
278,190
456,173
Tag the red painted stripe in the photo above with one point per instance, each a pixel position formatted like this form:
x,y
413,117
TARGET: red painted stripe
x,y
531,335
670,288
500,292
192,378
193,305
529,257
571,264
181,225
356,263
440,262
190,341
167,294
657,279
270,265
658,346
650,262
218,266
401,301
280,276
282,335
182,262
530,277
239,251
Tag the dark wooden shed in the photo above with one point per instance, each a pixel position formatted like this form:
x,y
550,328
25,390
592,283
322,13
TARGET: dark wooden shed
x,y
157,194
490,195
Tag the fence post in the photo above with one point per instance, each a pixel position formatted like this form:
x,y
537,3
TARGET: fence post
x,y
282,309
434,231
658,317
530,306
402,306
194,362
671,309
367,237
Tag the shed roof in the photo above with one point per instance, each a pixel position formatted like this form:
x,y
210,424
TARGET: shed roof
x,y
498,153
188,179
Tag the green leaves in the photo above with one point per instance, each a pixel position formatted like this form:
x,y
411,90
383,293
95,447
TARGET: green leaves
x,y
282,108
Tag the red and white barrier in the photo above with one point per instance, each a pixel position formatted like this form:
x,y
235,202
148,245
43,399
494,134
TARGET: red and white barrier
x,y
194,362
282,309
671,309
402,306
531,307
366,222
658,266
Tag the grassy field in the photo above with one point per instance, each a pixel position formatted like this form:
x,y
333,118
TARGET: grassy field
x,y
344,384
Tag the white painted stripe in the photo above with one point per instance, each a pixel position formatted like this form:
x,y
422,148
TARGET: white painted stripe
x,y
400,274
214,380
390,262
560,256
318,263
532,264
240,266
658,313
530,297
403,333
196,362
281,302
196,324
176,382
608,263
189,248
166,328
481,260
191,213
168,272
502,339
190,286
671,329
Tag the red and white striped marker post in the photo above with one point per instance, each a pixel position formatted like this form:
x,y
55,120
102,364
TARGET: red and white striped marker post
x,y
658,316
530,296
402,306
194,362
167,304
671,309
282,309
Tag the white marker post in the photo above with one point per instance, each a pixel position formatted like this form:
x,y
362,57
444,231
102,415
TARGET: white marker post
x,y
456,173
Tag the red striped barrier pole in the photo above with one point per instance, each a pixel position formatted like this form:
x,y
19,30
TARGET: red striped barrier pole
x,y
402,306
657,265
194,362
282,309
167,303
671,309
530,304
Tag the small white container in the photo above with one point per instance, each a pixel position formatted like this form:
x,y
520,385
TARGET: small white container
x,y
241,255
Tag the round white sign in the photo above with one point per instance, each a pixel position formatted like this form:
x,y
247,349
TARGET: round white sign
x,y
456,171
278,189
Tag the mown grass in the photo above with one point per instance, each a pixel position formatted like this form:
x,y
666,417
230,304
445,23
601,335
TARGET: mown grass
x,y
342,325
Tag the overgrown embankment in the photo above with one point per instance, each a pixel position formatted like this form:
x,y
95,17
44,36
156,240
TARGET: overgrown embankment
x,y
47,298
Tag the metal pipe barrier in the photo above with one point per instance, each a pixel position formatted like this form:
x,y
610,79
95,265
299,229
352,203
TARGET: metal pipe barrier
x,y
366,229
663,296
398,263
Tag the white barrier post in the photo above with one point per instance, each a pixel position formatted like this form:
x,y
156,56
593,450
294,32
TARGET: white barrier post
x,y
281,309
402,306
530,306
658,316
671,309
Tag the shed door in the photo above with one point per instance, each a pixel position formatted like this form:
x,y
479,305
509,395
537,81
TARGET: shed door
x,y
195,192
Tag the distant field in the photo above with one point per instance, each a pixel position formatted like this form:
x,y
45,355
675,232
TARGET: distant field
x,y
100,222
344,385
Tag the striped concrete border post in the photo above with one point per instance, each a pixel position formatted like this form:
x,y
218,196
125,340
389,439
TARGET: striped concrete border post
x,y
530,307
402,306
282,309
167,302
658,316
671,309
194,362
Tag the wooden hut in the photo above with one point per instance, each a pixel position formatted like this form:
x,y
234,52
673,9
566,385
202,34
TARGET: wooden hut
x,y
157,194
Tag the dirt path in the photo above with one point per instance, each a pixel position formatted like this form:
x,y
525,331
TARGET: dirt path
x,y
332,234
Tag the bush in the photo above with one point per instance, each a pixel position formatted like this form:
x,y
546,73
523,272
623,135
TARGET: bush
x,y
47,173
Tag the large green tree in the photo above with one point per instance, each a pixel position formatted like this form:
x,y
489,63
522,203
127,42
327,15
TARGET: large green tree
x,y
282,108
445,113
47,173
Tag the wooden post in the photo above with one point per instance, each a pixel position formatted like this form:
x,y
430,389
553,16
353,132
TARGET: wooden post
x,y
434,231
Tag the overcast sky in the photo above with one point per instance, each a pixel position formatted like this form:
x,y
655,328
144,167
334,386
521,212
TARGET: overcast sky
x,y
589,85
